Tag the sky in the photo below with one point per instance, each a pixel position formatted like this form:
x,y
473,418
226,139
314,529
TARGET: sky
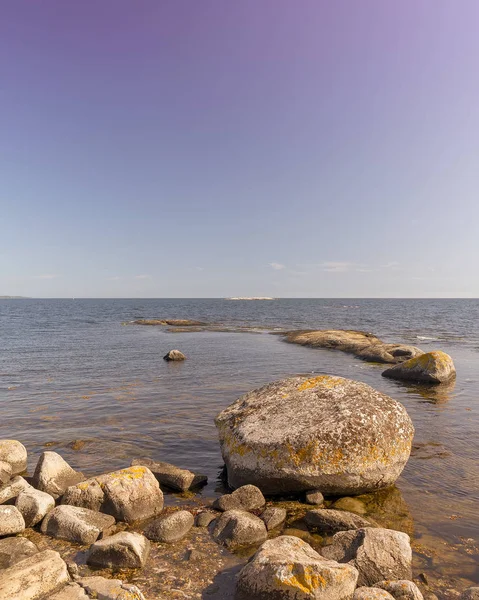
x,y
185,148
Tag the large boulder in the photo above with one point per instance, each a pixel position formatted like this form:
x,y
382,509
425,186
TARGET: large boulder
x,y
34,505
171,476
286,568
129,495
236,528
14,550
124,550
77,524
328,521
37,577
171,527
433,367
247,497
54,475
302,433
378,554
15,454
11,521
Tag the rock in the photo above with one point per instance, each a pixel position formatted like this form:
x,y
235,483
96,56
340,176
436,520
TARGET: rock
x,y
13,488
328,521
351,505
371,593
401,590
273,517
171,476
129,495
204,518
77,524
301,433
72,591
34,578
377,553
247,497
14,550
54,475
471,593
286,568
174,355
170,528
124,550
15,454
170,322
110,589
34,505
5,472
314,497
236,528
11,521
194,555
433,367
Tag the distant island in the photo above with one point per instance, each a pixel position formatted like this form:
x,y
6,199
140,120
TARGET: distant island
x,y
250,298
13,297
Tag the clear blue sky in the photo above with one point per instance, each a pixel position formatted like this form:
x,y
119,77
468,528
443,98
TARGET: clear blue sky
x,y
210,148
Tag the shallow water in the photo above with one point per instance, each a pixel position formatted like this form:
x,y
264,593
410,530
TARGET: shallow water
x,y
74,379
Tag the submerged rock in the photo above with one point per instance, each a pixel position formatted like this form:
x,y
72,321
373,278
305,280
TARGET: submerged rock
x,y
301,433
14,550
351,505
246,497
433,367
15,454
77,524
171,476
236,528
174,355
124,550
170,528
328,521
34,505
286,568
11,521
54,475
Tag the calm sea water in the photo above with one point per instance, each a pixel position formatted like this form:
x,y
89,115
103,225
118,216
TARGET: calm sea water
x,y
74,379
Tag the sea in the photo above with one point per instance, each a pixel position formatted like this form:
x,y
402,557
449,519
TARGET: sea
x,y
77,377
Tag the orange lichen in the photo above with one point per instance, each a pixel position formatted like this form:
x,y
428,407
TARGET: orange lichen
x,y
323,380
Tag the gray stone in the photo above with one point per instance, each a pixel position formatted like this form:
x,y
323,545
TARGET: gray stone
x,y
322,432
247,497
72,591
124,550
171,476
371,593
53,474
11,521
328,521
236,528
34,505
15,549
402,589
110,589
35,578
378,554
273,517
5,472
13,488
171,527
286,568
203,519
471,593
350,504
15,454
175,355
314,497
129,495
77,524
433,367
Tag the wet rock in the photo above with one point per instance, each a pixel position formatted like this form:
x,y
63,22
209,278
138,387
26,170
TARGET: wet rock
x,y
402,589
110,589
273,517
204,518
72,591
124,550
171,476
371,593
11,521
329,521
432,367
471,593
351,505
174,355
34,578
14,550
15,454
170,528
247,497
34,505
5,472
236,528
314,497
54,475
286,568
129,495
377,553
77,524
329,433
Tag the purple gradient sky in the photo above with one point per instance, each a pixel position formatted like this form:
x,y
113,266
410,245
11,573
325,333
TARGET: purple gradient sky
x,y
207,148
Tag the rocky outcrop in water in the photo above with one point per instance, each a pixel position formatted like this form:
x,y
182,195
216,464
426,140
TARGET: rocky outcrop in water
x,y
174,355
433,367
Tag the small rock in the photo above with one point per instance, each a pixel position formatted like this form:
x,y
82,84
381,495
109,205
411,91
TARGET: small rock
x,y
14,550
170,528
247,497
401,590
273,517
73,569
471,593
72,591
432,367
371,593
174,355
54,475
15,454
76,524
5,472
329,521
124,550
350,504
110,589
13,488
34,505
11,521
236,528
314,497
203,519
34,578
171,476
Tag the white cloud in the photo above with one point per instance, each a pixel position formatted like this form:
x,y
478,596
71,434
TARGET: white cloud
x,y
277,266
47,276
142,276
336,266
